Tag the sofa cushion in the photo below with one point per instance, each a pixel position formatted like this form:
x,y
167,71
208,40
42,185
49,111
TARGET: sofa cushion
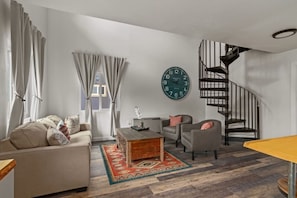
x,y
56,137
82,138
29,135
73,124
47,122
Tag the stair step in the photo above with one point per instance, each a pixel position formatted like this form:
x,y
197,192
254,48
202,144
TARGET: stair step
x,y
233,121
215,97
217,105
222,80
243,49
240,129
225,113
217,69
214,89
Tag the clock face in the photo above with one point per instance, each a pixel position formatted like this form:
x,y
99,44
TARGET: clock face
x,y
175,83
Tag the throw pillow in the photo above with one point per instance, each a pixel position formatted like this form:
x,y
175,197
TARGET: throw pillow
x,y
206,125
73,123
29,135
64,129
56,137
47,122
56,119
175,120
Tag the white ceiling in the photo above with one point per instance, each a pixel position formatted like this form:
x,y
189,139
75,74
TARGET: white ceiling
x,y
246,23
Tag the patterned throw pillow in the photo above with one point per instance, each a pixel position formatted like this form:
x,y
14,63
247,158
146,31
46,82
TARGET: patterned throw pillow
x,y
206,125
73,123
56,137
64,129
175,120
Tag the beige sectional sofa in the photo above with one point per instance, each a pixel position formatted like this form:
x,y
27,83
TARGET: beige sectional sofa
x,y
42,168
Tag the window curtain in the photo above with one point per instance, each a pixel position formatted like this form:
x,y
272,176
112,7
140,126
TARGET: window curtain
x,y
20,55
113,70
38,45
86,66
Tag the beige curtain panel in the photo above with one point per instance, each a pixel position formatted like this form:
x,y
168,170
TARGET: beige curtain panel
x,y
86,66
38,45
21,54
113,70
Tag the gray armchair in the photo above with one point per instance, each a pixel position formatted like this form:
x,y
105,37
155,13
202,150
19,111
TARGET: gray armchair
x,y
195,139
173,132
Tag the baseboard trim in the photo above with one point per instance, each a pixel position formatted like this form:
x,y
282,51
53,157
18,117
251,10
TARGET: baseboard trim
x,y
240,139
101,139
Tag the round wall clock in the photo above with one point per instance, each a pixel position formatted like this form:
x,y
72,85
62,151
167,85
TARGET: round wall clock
x,y
175,83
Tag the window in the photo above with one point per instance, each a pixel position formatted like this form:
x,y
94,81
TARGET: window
x,y
100,98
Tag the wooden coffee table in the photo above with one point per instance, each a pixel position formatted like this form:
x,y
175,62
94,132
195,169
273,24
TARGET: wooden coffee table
x,y
140,144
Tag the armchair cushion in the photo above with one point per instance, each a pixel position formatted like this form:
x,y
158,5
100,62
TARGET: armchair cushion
x,y
175,120
206,125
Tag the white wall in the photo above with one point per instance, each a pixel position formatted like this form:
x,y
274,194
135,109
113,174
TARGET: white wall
x,y
4,63
148,52
273,79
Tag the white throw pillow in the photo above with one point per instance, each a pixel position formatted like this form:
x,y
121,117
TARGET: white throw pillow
x,y
56,137
73,124
54,118
47,122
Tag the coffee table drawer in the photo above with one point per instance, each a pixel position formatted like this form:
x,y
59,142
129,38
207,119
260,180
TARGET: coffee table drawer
x,y
145,149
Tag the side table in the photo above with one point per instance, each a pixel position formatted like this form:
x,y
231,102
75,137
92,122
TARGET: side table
x,y
154,123
283,148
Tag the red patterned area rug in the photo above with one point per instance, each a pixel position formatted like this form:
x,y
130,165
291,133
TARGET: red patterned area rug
x,y
117,170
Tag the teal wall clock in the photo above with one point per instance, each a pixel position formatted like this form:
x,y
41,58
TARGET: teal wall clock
x,y
175,83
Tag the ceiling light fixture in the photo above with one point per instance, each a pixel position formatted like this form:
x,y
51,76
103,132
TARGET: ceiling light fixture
x,y
284,33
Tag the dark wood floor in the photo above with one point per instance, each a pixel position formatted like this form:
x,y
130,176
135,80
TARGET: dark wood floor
x,y
237,173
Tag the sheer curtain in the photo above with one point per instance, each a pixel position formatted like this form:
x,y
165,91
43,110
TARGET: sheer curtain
x,y
86,66
38,45
20,54
113,69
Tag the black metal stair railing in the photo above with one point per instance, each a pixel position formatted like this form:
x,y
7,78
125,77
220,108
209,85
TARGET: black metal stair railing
x,y
238,105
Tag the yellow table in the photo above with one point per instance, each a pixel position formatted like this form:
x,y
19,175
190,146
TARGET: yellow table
x,y
284,148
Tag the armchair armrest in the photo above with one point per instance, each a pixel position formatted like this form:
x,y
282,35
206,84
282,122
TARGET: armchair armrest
x,y
189,127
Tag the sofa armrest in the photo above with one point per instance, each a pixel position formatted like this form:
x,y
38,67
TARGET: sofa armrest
x,y
85,127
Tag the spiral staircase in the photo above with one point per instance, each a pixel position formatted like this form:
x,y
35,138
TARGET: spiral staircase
x,y
238,105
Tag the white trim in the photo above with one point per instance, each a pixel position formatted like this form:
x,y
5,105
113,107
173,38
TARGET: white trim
x,y
99,139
